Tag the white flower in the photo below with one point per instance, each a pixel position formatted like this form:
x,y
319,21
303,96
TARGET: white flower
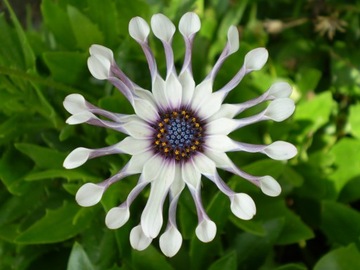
x,y
177,134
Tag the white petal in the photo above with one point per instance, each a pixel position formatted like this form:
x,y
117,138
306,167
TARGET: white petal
x,y
138,239
75,103
201,93
191,175
145,110
188,86
101,51
137,162
117,217
173,91
280,109
162,27
151,217
204,164
220,158
280,150
152,168
89,194
220,143
99,67
134,146
138,129
233,39
178,185
269,186
243,206
139,29
225,111
159,92
211,105
76,158
280,90
170,241
189,24
222,126
206,230
80,118
256,59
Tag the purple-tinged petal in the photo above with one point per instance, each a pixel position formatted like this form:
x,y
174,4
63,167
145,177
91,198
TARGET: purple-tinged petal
x,y
256,59
139,29
89,194
138,239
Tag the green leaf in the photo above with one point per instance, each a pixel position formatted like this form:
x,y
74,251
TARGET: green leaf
x,y
57,225
252,250
150,259
347,161
61,173
340,223
292,266
79,260
12,170
354,120
86,32
307,79
343,258
43,157
26,48
251,226
227,262
294,229
57,20
66,67
313,113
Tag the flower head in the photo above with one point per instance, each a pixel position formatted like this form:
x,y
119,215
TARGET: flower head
x,y
178,133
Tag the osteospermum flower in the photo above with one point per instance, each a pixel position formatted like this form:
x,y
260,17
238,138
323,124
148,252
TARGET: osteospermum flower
x,y
178,133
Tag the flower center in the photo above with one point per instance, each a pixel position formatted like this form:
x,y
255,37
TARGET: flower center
x,y
179,134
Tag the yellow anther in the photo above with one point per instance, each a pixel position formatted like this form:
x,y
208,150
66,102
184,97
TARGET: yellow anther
x,y
193,147
193,119
197,142
160,124
166,120
166,150
162,130
159,135
197,125
157,142
183,112
163,144
177,152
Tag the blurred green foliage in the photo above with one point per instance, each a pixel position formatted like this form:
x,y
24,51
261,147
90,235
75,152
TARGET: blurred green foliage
x,y
315,222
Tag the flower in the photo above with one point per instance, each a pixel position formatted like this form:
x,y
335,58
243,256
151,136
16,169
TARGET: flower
x,y
178,133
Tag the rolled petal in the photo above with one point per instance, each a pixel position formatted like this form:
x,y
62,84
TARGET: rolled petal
x,y
159,92
76,158
206,230
233,39
80,118
139,29
243,206
269,186
138,239
89,194
162,27
117,217
102,51
152,168
170,241
99,63
280,109
280,90
75,103
256,59
189,24
280,150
